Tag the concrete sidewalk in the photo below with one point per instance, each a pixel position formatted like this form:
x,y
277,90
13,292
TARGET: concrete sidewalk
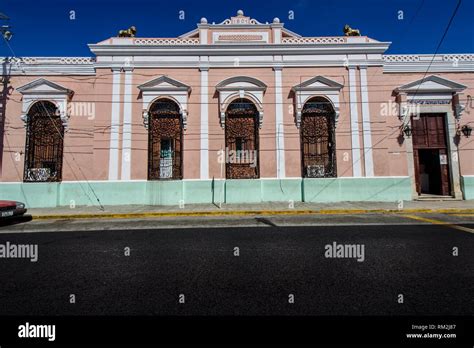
x,y
298,208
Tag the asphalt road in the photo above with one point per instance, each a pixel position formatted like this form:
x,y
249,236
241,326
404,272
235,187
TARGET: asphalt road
x,y
274,261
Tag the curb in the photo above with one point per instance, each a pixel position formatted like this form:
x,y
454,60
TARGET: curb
x,y
246,213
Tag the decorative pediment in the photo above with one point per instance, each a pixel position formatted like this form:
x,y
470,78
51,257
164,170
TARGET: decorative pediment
x,y
318,83
241,82
164,83
42,89
431,90
240,29
165,86
240,19
240,87
316,86
431,84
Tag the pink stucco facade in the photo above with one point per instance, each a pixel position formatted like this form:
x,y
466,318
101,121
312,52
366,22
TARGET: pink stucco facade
x,y
106,138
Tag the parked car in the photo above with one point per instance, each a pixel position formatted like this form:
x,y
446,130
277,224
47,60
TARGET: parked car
x,y
11,208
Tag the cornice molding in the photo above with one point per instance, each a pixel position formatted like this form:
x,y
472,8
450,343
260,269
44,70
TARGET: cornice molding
x,y
239,48
405,63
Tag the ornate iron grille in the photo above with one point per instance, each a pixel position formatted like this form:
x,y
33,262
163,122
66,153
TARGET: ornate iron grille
x,y
241,139
165,138
44,144
318,146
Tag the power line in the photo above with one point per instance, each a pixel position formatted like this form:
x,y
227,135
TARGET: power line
x,y
289,103
439,44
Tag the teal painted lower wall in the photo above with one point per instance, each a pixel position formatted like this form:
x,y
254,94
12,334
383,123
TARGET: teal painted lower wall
x,y
43,195
467,186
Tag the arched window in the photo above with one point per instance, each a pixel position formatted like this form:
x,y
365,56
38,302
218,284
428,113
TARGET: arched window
x,y
318,143
241,140
44,143
165,141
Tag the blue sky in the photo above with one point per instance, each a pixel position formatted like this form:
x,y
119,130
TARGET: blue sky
x,y
44,27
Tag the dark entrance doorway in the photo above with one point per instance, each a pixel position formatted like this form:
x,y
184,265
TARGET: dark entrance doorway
x,y
431,155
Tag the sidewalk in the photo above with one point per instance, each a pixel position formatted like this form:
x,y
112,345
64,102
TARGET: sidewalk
x,y
298,208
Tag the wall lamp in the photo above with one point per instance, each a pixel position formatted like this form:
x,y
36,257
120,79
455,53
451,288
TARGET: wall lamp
x,y
407,130
466,130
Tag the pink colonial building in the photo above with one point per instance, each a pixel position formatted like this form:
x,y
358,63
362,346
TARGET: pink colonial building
x,y
239,111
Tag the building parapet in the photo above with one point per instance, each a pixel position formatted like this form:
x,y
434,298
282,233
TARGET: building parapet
x,y
314,40
47,65
452,62
48,60
165,41
465,57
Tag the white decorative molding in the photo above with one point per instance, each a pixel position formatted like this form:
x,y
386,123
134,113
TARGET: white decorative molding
x,y
48,60
403,63
314,87
401,58
45,90
458,111
127,126
222,118
464,57
165,86
279,124
431,84
114,125
355,141
458,57
366,126
430,90
240,19
204,166
239,37
76,60
313,40
47,66
240,87
166,41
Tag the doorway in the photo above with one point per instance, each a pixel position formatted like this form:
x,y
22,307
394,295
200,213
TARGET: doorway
x,y
431,155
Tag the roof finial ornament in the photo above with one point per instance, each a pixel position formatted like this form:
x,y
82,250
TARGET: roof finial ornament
x,y
130,32
348,31
240,13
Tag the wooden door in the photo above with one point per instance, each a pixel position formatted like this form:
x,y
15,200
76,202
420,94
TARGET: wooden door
x,y
429,133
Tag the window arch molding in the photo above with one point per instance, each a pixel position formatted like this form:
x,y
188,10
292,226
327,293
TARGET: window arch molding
x,y
47,91
318,86
241,87
165,87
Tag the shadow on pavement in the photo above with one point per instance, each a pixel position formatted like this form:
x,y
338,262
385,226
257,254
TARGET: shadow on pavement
x,y
14,220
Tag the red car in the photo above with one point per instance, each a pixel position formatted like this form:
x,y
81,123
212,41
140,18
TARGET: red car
x,y
11,208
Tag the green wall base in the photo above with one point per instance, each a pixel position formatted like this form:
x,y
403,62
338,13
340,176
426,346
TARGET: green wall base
x,y
44,195
467,186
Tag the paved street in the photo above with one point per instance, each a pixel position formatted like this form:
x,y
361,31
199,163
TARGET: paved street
x,y
278,256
